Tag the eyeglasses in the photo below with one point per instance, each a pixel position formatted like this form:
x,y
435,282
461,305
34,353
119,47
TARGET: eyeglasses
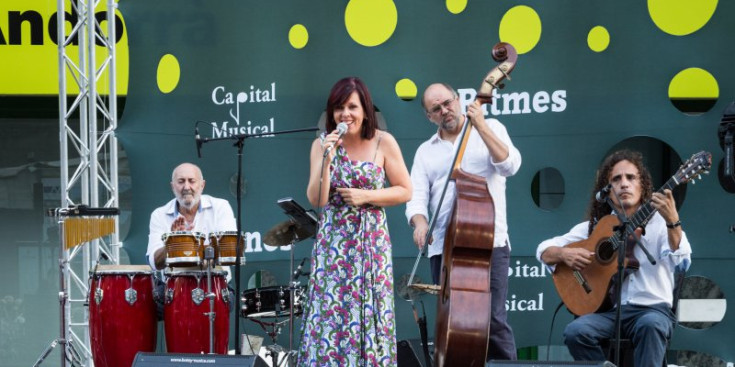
x,y
446,104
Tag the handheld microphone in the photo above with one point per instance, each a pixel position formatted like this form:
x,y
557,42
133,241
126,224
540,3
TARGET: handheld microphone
x,y
603,193
297,272
198,141
341,130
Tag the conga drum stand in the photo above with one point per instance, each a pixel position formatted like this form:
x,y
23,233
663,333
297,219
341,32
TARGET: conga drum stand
x,y
209,260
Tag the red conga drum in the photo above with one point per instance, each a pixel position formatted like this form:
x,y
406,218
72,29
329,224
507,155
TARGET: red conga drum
x,y
185,313
122,314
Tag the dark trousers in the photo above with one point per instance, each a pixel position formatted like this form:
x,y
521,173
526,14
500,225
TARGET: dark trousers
x,y
648,327
502,344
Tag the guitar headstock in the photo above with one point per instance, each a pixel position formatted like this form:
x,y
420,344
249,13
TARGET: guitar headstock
x,y
693,168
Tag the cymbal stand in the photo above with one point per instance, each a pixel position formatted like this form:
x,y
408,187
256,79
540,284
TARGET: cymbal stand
x,y
293,282
274,349
209,261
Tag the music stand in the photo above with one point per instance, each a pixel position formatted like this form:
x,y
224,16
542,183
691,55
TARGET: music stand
x,y
306,221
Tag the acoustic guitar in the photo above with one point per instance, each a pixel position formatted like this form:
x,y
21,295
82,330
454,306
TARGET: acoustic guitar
x,y
586,291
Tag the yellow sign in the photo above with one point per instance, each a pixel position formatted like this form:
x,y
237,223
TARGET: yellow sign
x,y
29,56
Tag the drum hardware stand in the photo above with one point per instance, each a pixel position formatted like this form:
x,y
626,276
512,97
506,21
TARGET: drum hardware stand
x,y
70,353
239,143
305,222
209,259
274,349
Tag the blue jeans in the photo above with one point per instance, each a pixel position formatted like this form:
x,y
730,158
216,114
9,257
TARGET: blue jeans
x,y
502,343
648,327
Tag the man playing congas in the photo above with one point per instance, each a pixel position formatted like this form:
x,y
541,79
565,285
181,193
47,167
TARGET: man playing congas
x,y
190,212
178,233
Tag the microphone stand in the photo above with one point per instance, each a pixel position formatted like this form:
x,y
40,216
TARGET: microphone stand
x,y
625,233
239,143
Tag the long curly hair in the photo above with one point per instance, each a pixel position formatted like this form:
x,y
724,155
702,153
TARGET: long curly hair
x,y
597,210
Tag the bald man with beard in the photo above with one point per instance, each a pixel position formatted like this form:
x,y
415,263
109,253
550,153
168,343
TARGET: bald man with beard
x,y
189,211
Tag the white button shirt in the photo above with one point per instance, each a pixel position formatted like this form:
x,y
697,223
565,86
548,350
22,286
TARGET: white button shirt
x,y
650,284
432,166
214,215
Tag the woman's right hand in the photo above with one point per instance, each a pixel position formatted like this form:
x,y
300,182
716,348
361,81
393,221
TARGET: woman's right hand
x,y
333,139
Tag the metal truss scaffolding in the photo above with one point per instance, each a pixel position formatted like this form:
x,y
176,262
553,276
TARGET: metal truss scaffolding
x,y
89,153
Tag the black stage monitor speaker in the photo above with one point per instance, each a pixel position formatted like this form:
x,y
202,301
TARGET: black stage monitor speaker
x,y
548,364
189,360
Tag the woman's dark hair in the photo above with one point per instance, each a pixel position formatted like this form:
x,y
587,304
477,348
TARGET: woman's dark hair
x,y
598,210
341,91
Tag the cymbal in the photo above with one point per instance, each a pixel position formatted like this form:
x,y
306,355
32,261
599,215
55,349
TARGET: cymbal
x,y
426,288
285,233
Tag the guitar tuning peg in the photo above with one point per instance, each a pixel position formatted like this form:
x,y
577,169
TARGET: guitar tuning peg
x,y
694,182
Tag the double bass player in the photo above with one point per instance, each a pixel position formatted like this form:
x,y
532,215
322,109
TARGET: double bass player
x,y
489,153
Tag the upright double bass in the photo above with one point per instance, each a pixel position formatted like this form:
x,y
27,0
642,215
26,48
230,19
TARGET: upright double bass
x,y
463,306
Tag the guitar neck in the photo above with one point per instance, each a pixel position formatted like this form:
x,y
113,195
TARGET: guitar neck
x,y
644,214
646,211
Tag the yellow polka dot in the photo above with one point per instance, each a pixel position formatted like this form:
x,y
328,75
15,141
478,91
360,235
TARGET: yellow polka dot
x,y
371,22
681,17
298,36
693,83
168,73
456,6
406,89
521,27
598,39
693,91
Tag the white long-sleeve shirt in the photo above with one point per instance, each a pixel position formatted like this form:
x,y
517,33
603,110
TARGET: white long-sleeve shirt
x,y
650,284
214,215
432,166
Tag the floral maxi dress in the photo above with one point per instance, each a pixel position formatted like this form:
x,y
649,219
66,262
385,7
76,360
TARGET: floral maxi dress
x,y
348,318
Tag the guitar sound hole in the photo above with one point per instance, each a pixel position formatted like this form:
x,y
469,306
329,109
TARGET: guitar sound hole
x,y
605,252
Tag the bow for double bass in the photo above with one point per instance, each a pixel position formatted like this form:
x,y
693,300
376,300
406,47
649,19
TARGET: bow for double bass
x,y
462,333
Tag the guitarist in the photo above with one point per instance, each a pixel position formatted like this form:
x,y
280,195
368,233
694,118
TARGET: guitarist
x,y
647,293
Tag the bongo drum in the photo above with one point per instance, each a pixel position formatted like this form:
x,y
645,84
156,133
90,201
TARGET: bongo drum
x,y
225,245
183,248
122,314
186,308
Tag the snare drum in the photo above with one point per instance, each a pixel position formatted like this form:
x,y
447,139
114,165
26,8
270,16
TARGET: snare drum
x,y
183,248
225,244
186,309
272,301
122,314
